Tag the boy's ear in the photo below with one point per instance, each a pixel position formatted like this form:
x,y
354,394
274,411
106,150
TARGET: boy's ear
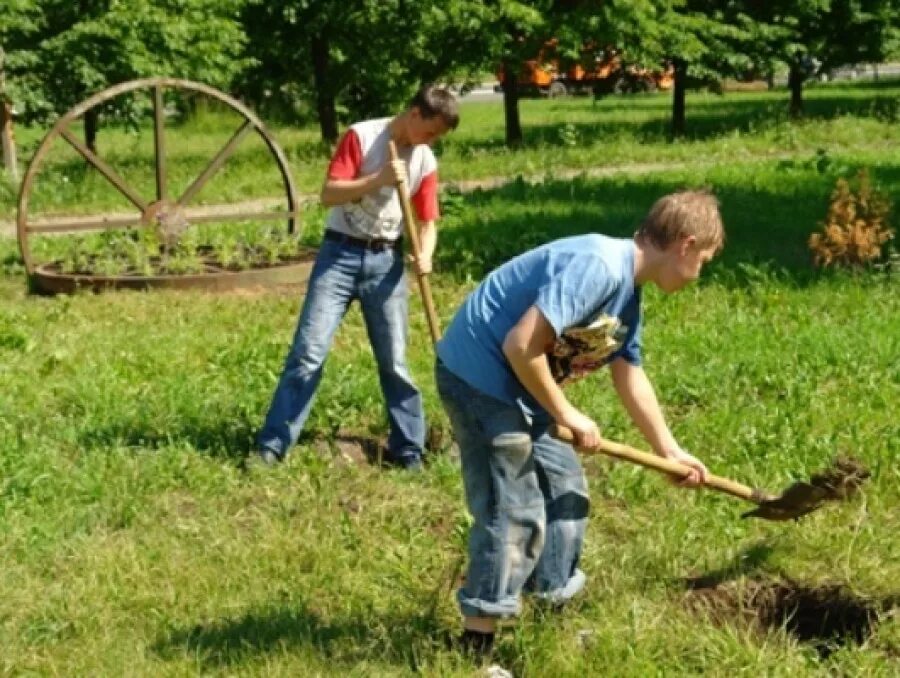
x,y
685,243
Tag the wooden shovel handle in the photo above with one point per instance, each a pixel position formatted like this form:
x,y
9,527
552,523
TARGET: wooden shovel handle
x,y
652,461
413,234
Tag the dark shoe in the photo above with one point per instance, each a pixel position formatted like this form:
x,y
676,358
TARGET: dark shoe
x,y
410,461
474,644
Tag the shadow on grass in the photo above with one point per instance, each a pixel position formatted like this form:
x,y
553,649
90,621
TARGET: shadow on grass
x,y
769,214
230,438
227,642
748,561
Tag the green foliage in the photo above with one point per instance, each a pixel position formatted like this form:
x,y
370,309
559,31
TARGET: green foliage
x,y
69,51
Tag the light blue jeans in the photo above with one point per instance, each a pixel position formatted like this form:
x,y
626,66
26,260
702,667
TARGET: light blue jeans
x,y
344,272
528,497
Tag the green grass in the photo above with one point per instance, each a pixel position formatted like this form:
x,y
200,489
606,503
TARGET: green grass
x,y
560,134
131,542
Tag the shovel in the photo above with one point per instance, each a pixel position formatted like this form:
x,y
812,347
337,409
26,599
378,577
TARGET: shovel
x,y
838,482
413,234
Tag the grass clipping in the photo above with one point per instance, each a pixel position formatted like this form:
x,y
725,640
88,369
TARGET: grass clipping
x,y
856,228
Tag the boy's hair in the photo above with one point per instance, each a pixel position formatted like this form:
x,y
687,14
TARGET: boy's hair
x,y
433,101
684,214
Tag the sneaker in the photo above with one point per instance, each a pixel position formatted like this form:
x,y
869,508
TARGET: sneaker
x,y
413,464
261,459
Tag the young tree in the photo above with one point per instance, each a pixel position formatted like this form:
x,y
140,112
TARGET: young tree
x,y
704,42
19,21
814,37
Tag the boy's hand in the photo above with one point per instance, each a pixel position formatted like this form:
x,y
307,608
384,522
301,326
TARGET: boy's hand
x,y
699,473
422,264
583,428
393,172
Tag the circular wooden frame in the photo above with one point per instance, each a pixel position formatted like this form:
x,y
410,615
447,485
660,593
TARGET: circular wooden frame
x,y
163,211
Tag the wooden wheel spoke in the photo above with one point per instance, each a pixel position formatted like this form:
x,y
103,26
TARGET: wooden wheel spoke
x,y
159,141
216,163
111,175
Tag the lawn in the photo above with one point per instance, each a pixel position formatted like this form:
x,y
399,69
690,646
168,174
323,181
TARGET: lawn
x,y
132,541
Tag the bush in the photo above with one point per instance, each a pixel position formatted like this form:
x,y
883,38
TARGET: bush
x,y
856,227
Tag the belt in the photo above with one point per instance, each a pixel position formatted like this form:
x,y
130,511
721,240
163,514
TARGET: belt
x,y
375,244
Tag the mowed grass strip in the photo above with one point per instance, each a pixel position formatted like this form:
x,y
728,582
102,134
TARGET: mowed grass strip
x,y
574,133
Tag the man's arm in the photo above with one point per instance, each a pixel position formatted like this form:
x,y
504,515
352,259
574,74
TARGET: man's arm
x,y
525,348
637,395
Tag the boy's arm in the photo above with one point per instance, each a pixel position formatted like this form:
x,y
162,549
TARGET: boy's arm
x,y
525,348
427,244
637,395
341,191
344,184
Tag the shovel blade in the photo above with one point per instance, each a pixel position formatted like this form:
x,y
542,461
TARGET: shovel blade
x,y
839,482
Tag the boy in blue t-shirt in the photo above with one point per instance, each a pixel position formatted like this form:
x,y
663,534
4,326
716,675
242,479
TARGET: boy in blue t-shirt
x,y
526,490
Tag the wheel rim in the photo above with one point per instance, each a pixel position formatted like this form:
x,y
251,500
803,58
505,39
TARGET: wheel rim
x,y
162,212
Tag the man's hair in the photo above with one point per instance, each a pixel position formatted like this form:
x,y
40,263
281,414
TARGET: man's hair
x,y
678,215
433,101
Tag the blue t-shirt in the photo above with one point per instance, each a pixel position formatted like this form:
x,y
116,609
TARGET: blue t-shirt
x,y
572,281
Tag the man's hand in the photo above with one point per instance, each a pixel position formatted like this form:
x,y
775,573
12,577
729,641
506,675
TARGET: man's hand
x,y
584,428
393,172
699,473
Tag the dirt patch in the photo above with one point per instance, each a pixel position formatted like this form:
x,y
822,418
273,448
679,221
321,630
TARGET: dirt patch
x,y
826,617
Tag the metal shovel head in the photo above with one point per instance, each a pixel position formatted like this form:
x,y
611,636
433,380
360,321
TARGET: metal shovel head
x,y
839,482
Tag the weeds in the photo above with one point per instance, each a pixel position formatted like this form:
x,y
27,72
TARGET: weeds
x,y
856,227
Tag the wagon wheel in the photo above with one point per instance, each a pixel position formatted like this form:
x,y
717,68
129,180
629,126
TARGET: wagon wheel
x,y
165,213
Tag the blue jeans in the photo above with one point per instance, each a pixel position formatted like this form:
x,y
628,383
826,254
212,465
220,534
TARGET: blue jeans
x,y
342,273
528,497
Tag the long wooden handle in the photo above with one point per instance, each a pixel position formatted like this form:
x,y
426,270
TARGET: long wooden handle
x,y
413,235
652,461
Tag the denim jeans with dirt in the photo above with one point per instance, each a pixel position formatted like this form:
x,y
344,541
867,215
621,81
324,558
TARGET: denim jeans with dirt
x,y
344,272
528,497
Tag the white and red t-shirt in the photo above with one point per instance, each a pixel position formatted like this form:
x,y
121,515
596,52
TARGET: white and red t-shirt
x,y
364,150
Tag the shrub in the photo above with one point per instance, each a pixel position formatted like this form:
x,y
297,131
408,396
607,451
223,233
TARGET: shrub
x,y
856,227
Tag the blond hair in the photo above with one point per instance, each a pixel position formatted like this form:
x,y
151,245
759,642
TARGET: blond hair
x,y
678,215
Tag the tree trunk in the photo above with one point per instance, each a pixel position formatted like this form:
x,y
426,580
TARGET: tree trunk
x,y
678,94
795,83
91,120
8,141
325,105
511,103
